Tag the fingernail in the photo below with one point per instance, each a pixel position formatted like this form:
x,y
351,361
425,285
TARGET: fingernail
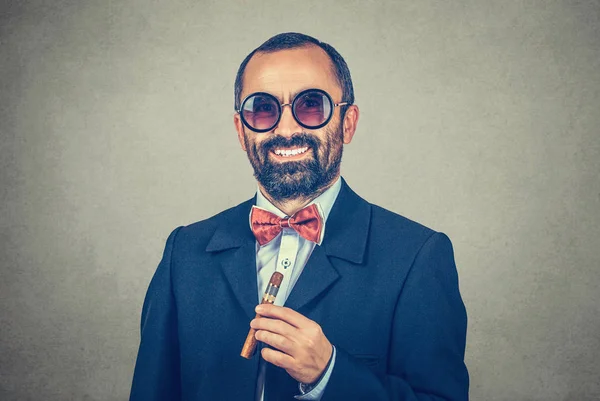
x,y
259,309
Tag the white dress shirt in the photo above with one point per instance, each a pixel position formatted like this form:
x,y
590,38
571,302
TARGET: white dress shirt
x,y
288,253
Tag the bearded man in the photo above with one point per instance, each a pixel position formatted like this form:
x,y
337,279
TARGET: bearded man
x,y
368,307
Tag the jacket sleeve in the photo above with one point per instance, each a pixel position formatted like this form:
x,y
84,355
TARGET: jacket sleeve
x,y
426,357
156,375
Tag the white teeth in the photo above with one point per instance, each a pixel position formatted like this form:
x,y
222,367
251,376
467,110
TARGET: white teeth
x,y
290,152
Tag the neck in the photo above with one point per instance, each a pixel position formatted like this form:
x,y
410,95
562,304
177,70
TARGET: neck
x,y
292,205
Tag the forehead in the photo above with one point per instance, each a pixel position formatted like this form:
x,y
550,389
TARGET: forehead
x,y
284,73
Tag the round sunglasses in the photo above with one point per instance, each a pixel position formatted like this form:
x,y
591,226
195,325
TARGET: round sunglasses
x,y
311,108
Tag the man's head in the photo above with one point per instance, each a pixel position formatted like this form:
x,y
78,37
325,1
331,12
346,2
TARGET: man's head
x,y
292,161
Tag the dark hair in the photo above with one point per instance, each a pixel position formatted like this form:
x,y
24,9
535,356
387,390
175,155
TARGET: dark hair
x,y
292,40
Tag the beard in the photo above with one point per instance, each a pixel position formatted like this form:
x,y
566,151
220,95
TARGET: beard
x,y
299,178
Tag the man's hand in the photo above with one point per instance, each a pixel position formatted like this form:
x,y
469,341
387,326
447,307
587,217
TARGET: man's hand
x,y
301,347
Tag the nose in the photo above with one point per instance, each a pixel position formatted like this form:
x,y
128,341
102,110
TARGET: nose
x,y
287,125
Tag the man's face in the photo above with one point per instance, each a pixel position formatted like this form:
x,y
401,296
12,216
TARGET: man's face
x,y
291,161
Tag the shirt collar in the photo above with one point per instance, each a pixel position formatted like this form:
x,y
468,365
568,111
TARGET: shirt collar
x,y
325,201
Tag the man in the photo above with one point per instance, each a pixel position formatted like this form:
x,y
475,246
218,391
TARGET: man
x,y
372,307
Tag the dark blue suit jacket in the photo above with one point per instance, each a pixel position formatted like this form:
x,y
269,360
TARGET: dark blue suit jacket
x,y
383,288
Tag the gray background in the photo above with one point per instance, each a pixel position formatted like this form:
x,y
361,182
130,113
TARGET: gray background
x,y
479,119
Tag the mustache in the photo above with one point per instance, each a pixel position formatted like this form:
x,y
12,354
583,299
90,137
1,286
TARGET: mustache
x,y
296,140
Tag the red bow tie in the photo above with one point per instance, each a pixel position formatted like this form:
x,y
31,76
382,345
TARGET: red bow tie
x,y
266,226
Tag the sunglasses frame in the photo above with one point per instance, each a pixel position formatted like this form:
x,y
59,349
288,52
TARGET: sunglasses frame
x,y
280,109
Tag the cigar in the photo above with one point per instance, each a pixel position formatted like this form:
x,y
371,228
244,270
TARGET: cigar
x,y
268,298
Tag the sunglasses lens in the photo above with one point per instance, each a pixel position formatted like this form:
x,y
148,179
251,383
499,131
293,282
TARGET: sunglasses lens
x,y
312,108
260,111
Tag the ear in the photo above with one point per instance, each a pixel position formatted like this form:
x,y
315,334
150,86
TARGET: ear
x,y
350,122
239,127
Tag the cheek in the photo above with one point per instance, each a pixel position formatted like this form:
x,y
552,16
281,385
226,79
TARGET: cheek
x,y
249,140
253,145
257,143
333,140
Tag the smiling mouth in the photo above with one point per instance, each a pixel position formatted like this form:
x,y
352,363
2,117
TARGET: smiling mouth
x,y
290,152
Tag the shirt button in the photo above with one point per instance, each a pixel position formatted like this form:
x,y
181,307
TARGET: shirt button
x,y
285,263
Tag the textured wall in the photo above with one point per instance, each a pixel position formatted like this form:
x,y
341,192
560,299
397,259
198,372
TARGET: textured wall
x,y
479,118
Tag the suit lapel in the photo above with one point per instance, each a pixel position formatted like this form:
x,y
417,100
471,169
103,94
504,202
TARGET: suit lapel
x,y
239,267
346,235
316,277
235,247
347,229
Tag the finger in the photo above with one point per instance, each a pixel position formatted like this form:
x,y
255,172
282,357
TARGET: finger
x,y
277,358
273,325
283,313
277,341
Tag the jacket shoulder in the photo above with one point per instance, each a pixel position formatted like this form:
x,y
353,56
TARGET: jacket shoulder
x,y
397,229
200,232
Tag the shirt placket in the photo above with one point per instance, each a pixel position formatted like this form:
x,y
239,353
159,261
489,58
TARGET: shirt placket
x,y
286,261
